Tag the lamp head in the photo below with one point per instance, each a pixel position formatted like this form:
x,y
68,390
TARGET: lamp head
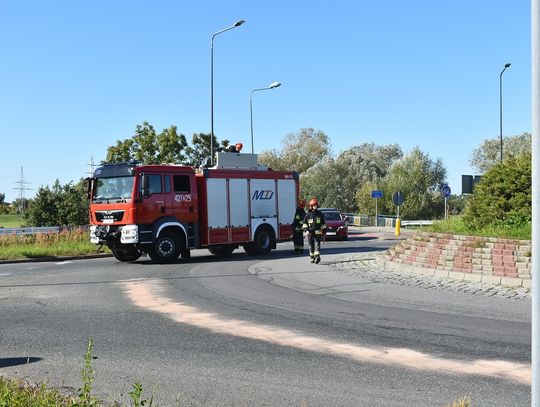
x,y
239,23
275,85
507,65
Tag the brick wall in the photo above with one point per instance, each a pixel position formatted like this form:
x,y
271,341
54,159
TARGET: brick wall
x,y
501,261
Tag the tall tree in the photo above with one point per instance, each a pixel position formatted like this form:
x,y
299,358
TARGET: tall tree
x,y
198,153
299,151
488,153
419,178
149,147
336,180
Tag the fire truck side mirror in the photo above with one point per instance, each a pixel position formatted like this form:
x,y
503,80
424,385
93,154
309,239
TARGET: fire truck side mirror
x,y
88,182
145,182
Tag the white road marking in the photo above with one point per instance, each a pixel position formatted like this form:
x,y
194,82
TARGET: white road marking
x,y
148,295
63,262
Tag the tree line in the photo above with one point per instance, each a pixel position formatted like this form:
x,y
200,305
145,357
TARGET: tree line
x,y
344,180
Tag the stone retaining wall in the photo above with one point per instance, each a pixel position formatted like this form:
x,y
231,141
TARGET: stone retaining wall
x,y
498,261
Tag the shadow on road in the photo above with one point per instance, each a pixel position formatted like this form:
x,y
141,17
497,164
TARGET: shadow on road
x,y
8,362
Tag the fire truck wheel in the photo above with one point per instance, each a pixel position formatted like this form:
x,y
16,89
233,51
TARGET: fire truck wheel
x,y
166,248
223,250
263,242
125,253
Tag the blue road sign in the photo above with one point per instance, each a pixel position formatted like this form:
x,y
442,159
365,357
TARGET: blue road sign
x,y
446,191
398,198
376,194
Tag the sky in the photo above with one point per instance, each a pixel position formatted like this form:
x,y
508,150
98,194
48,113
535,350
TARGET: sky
x,y
76,76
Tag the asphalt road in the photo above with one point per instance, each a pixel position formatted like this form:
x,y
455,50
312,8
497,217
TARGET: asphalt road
x,y
270,331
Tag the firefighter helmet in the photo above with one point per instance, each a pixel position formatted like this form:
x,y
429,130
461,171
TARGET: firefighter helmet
x,y
313,202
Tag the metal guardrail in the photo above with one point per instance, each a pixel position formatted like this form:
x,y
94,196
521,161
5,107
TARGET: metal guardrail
x,y
384,221
416,222
29,231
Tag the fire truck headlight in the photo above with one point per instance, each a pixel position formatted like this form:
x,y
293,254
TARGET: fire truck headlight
x,y
130,234
93,238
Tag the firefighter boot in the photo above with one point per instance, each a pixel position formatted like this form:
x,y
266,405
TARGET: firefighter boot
x,y
317,259
312,257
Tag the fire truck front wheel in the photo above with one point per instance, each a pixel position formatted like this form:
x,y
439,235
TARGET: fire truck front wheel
x,y
263,242
166,248
125,253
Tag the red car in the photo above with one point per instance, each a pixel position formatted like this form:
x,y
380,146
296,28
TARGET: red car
x,y
336,226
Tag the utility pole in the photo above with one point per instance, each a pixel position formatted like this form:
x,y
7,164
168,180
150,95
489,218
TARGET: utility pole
x,y
535,270
22,188
92,166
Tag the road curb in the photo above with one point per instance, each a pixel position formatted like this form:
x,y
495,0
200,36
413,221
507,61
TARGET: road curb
x,y
57,258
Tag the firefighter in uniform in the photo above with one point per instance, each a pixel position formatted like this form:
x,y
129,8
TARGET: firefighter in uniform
x,y
298,233
315,226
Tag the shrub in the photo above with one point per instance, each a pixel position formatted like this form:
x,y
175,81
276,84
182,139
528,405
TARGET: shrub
x,y
503,196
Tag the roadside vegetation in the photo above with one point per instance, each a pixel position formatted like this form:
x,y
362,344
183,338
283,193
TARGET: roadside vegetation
x,y
456,226
65,243
19,393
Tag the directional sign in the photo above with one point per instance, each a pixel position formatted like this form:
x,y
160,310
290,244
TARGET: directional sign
x,y
446,191
398,198
376,194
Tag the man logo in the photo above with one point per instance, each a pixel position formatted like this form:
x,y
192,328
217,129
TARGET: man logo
x,y
264,194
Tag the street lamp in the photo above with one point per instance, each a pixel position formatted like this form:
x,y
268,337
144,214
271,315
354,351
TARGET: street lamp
x,y
271,86
501,105
237,24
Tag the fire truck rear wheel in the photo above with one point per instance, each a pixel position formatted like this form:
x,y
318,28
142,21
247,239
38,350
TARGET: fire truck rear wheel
x,y
166,248
262,243
125,253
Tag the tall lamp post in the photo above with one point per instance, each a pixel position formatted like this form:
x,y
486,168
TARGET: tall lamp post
x,y
271,86
237,24
501,105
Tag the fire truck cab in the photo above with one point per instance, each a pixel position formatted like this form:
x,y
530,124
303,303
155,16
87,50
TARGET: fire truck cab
x,y
167,210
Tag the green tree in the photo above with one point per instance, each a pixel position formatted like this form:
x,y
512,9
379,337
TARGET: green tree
x,y
149,147
43,210
336,181
61,205
419,178
198,153
299,151
488,153
503,195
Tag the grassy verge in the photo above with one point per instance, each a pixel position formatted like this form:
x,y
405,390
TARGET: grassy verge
x,y
18,393
66,243
455,225
11,221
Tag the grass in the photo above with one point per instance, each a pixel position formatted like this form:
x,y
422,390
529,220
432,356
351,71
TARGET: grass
x,y
461,402
66,243
11,221
455,225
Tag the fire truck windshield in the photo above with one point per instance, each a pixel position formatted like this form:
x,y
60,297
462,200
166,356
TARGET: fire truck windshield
x,y
113,189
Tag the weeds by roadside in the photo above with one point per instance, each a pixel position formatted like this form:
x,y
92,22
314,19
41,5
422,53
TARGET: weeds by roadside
x,y
461,402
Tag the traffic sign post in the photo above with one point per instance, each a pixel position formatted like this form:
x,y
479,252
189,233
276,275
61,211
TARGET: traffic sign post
x,y
446,192
398,198
376,195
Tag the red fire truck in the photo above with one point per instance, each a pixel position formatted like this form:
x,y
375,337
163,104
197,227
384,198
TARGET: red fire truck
x,y
167,210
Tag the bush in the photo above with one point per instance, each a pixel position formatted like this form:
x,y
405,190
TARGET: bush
x,y
503,196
